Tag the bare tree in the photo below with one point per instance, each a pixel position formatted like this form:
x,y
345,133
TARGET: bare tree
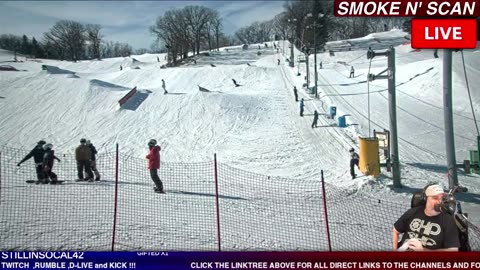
x,y
197,18
95,38
280,25
67,36
172,29
217,27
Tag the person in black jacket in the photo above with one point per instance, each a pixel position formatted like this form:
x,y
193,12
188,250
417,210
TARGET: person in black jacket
x,y
48,159
93,163
37,154
354,160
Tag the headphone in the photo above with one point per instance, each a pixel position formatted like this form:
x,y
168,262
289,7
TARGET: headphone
x,y
420,198
424,196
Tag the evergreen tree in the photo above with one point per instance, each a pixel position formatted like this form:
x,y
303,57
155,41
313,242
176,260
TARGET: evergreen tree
x,y
25,47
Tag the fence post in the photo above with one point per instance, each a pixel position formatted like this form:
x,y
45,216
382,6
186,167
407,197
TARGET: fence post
x,y
217,203
326,214
115,199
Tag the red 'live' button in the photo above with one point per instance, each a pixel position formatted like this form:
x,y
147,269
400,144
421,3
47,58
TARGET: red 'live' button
x,y
444,33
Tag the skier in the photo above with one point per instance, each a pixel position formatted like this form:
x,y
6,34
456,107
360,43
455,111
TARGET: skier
x,y
295,93
37,154
321,64
93,162
164,87
82,155
121,67
352,72
278,62
154,164
302,107
48,160
315,119
158,59
235,82
353,162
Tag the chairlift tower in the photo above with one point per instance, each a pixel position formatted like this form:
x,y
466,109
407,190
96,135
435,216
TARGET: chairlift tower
x,y
390,53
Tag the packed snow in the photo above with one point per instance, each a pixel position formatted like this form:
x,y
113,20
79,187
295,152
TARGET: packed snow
x,y
255,127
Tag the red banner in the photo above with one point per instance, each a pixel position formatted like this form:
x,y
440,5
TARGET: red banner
x,y
409,8
444,34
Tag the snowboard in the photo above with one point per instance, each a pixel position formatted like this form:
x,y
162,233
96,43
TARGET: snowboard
x,y
159,192
37,182
86,181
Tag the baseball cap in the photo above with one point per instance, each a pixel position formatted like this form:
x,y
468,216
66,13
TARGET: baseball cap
x,y
434,190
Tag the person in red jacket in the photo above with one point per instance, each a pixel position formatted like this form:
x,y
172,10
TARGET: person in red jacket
x,y
154,164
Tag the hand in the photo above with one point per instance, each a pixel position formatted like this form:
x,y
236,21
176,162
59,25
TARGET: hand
x,y
18,164
415,245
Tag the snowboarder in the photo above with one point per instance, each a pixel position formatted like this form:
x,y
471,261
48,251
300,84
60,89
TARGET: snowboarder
x,y
235,82
354,158
315,119
82,155
295,93
154,164
48,160
37,154
164,87
302,107
352,72
93,162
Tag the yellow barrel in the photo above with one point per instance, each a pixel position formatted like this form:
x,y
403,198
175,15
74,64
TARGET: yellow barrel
x,y
369,162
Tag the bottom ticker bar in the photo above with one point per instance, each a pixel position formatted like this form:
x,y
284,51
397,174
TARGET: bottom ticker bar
x,y
240,260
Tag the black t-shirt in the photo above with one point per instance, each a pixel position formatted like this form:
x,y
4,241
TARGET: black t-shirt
x,y
433,232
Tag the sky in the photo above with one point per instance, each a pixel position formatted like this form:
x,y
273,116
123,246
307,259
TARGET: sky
x,y
123,21
270,158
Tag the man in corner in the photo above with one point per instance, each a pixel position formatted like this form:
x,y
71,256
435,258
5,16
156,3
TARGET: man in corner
x,y
426,227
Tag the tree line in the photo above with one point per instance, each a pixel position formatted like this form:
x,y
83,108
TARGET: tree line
x,y
190,29
311,22
66,40
186,31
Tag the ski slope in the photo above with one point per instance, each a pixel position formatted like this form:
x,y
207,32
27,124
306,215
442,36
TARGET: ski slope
x,y
256,126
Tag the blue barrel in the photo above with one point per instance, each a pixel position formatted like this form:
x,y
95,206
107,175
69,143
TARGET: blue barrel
x,y
342,122
332,111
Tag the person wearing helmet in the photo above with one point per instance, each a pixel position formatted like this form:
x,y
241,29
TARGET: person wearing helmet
x,y
93,162
48,160
153,157
354,158
37,154
82,155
